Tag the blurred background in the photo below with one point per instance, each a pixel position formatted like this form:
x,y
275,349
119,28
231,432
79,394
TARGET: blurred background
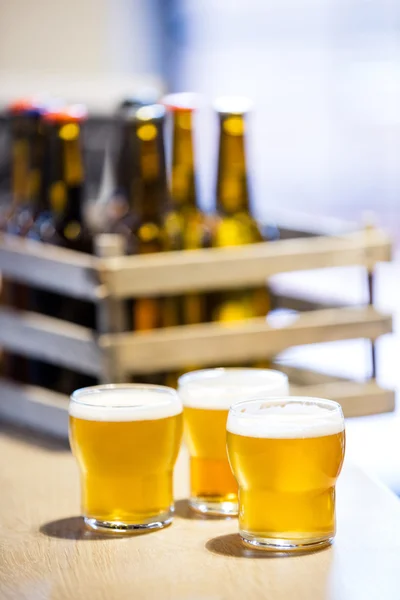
x,y
323,140
324,76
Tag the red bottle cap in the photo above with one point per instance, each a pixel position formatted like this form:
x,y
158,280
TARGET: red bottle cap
x,y
74,113
28,105
183,101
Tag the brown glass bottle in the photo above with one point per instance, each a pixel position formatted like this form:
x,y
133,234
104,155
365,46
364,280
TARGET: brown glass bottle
x,y
235,224
61,223
66,188
185,222
149,200
117,209
26,128
128,105
27,162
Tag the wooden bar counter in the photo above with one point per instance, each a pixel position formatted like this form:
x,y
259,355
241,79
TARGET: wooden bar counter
x,y
45,552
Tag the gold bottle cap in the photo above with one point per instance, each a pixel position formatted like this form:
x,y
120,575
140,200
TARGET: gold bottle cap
x,y
75,113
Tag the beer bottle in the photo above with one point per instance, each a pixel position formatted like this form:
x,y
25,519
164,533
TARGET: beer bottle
x,y
25,117
61,223
122,148
149,200
185,222
143,97
66,189
235,224
143,225
27,163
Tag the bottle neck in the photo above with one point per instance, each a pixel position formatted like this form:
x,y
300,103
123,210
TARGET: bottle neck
x,y
27,161
66,178
152,180
232,182
183,181
37,190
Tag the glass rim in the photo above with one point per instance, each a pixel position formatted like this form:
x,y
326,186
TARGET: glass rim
x,y
201,374
237,407
80,395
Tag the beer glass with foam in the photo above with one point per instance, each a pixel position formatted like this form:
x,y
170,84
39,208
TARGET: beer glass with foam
x,y
126,439
286,454
207,396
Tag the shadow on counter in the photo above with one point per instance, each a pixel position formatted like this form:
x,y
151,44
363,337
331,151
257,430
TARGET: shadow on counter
x,y
71,528
74,528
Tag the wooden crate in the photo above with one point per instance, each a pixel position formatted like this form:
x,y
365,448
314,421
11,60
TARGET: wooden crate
x,y
112,354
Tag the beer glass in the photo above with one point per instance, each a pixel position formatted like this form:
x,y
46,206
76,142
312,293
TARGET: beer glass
x,y
207,396
126,439
286,454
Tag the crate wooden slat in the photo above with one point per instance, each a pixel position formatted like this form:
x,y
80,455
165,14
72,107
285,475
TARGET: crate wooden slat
x,y
77,274
47,411
301,304
299,376
297,224
34,407
56,341
228,268
74,346
217,344
44,266
357,399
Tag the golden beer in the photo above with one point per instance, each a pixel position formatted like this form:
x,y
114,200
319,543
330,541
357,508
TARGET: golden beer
x,y
207,396
286,455
210,474
126,440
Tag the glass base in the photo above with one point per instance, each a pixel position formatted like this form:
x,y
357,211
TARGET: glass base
x,y
284,544
206,506
158,522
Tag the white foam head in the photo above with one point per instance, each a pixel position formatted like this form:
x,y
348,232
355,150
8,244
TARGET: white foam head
x,y
218,389
125,403
290,417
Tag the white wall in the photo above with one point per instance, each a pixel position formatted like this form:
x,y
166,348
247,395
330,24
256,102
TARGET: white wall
x,y
89,49
325,77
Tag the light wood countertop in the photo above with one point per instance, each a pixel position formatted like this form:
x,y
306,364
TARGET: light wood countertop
x,y
45,552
